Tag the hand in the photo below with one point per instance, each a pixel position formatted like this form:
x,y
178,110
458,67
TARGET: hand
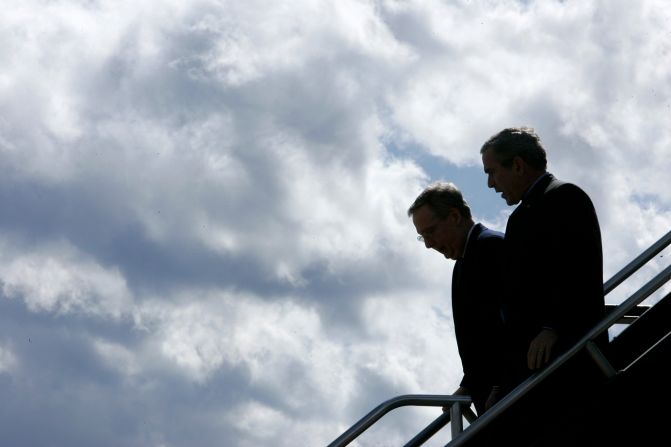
x,y
461,391
540,349
493,398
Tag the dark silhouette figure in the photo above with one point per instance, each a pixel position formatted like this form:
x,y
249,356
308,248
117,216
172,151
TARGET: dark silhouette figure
x,y
444,223
554,275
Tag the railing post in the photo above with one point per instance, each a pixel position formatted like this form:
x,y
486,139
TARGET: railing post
x,y
600,359
457,420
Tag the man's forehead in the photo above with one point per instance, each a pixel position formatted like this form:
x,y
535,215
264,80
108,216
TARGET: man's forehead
x,y
423,215
489,160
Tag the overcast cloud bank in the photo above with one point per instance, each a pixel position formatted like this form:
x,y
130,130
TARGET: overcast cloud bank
x,y
204,237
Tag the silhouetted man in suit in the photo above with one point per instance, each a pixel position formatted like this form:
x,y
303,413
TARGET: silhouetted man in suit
x,y
554,285
443,221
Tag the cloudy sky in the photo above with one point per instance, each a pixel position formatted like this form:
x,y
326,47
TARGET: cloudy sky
x,y
203,230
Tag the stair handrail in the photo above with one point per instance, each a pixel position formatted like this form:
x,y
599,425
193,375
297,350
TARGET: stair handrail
x,y
456,403
637,263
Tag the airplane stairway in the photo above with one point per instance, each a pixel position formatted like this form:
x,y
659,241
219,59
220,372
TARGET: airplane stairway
x,y
630,409
592,395
581,406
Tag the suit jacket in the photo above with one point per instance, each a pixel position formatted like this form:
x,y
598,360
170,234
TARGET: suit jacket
x,y
476,289
554,266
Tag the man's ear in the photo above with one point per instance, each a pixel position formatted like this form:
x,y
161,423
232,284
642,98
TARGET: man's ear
x,y
519,166
455,216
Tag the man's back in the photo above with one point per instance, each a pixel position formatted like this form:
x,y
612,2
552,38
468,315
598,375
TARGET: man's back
x,y
476,288
554,245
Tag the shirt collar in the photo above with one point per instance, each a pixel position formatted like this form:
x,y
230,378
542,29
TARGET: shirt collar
x,y
526,193
468,238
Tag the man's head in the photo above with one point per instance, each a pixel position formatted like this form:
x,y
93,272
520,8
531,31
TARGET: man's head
x,y
442,219
513,159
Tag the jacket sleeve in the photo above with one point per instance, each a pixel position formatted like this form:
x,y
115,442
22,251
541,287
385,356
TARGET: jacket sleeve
x,y
574,268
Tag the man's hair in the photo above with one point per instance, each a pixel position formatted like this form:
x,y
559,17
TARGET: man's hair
x,y
520,142
441,197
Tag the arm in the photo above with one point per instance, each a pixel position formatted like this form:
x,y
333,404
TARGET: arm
x,y
572,274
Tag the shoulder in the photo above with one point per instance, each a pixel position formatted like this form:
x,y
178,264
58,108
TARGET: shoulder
x,y
486,252
559,191
481,232
488,238
490,234
556,186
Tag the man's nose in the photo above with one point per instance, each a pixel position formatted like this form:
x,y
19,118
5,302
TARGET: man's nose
x,y
490,181
427,242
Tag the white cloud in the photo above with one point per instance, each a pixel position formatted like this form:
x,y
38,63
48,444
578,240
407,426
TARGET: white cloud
x,y
281,346
118,357
61,280
8,361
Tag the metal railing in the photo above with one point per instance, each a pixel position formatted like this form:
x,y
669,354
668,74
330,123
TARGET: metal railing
x,y
459,406
631,315
625,313
637,263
